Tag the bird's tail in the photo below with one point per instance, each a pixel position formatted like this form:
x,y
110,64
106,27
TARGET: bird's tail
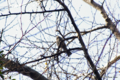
x,y
69,53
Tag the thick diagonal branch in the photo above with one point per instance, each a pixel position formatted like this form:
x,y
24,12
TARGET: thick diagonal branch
x,y
81,41
25,70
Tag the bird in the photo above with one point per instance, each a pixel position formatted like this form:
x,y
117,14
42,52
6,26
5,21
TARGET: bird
x,y
60,42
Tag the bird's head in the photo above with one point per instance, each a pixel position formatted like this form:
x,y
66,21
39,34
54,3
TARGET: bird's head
x,y
57,37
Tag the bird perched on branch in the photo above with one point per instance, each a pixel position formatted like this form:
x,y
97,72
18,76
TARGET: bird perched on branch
x,y
60,42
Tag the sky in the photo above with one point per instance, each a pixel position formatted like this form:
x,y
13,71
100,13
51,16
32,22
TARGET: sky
x,y
44,27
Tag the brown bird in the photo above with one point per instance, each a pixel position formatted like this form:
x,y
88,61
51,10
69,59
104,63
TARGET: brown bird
x,y
62,45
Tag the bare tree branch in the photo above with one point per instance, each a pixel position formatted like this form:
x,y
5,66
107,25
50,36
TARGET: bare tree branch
x,y
32,12
81,41
30,28
99,28
25,70
109,25
104,70
109,22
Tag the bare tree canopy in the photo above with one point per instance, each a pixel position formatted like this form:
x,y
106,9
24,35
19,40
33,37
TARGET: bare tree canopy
x,y
59,39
